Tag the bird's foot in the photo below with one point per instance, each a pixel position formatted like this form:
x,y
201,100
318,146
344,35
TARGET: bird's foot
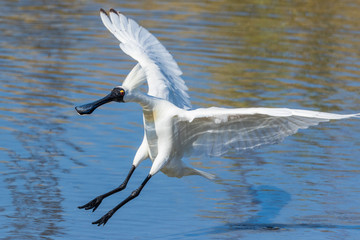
x,y
103,220
93,204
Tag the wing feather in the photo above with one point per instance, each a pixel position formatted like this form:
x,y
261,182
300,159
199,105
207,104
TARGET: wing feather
x,y
161,70
218,131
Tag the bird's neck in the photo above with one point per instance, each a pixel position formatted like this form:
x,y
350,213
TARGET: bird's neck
x,y
147,102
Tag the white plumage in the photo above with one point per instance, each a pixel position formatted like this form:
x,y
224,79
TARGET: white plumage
x,y
172,131
216,131
160,68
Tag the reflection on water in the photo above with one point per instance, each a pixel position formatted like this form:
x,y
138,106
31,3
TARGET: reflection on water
x,y
33,103
233,53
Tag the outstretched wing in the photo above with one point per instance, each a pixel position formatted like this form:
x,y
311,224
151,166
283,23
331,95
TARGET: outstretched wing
x,y
161,70
217,131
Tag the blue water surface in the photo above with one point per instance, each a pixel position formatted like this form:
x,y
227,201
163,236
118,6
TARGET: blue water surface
x,y
300,54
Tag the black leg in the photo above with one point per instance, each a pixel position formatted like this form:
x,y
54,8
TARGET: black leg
x,y
134,194
93,204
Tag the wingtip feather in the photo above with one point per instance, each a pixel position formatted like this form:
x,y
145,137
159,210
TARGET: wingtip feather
x,y
114,11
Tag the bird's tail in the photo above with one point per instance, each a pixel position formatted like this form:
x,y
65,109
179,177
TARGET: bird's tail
x,y
193,171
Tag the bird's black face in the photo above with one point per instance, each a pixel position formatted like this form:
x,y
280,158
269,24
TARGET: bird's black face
x,y
116,95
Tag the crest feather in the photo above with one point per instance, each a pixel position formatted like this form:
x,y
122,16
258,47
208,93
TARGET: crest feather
x,y
135,78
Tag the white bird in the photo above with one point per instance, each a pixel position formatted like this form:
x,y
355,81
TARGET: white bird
x,y
172,130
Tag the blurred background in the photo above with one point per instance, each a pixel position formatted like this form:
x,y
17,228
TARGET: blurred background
x,y
270,53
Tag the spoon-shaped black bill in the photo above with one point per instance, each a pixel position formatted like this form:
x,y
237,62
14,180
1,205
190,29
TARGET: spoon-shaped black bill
x,y
90,107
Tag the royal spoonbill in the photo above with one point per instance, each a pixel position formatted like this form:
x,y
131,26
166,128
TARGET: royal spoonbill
x,y
172,129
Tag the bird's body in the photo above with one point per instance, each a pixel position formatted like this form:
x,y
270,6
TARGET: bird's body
x,y
171,129
172,132
162,141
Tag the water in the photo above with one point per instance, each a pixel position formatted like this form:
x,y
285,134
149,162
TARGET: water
x,y
301,54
